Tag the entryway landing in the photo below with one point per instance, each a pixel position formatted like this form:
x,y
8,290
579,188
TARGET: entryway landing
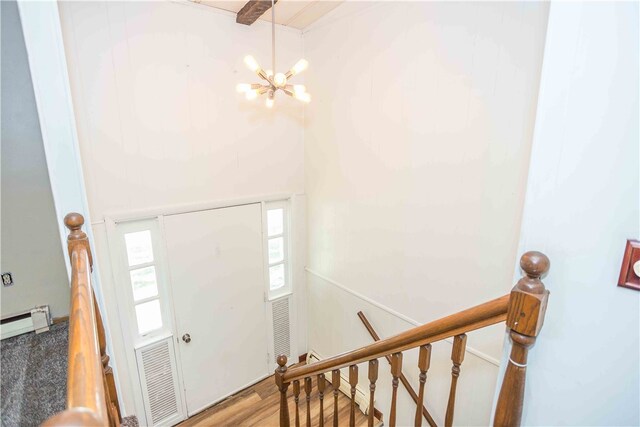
x,y
258,406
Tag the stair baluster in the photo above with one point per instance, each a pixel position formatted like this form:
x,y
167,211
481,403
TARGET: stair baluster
x,y
396,371
307,391
373,377
424,360
403,379
457,356
353,382
335,382
296,399
113,407
321,386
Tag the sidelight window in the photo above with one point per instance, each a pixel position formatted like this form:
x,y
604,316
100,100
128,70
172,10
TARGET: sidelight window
x,y
277,248
143,276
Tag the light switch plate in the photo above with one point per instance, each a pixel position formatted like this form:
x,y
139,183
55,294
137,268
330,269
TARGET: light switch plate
x,y
628,276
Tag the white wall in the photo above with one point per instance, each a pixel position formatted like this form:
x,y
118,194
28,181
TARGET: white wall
x,y
582,204
31,247
416,151
160,123
159,120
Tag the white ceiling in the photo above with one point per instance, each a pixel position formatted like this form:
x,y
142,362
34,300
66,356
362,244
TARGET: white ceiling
x,y
292,13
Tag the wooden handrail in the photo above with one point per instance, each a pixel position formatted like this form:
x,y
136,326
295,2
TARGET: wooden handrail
x,y
523,312
88,399
480,316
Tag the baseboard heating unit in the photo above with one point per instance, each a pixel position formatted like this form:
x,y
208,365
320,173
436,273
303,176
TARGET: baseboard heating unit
x,y
37,319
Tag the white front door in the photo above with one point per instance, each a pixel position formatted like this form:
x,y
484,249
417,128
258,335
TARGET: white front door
x,y
216,267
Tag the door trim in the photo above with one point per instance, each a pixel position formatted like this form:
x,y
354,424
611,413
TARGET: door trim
x,y
176,209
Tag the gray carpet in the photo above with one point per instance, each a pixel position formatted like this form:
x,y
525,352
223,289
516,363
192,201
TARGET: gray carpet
x,y
130,421
33,370
33,373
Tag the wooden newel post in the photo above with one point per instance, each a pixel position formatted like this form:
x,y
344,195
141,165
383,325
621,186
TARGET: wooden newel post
x,y
74,222
527,305
282,386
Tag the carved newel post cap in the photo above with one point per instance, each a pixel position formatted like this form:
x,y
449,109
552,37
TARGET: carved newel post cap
x,y
282,360
74,221
534,264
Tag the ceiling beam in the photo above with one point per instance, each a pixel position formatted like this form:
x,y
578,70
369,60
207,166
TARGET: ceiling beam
x,y
253,10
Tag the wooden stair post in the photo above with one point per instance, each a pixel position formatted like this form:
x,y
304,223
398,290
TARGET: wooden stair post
x,y
307,391
282,386
457,356
373,377
527,306
396,370
321,386
353,382
335,383
424,360
296,399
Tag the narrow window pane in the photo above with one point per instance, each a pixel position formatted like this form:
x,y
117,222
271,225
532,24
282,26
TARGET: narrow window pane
x,y
149,316
276,276
144,283
139,248
275,221
276,250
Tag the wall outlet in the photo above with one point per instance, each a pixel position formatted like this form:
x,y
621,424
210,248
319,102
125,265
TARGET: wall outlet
x,y
7,279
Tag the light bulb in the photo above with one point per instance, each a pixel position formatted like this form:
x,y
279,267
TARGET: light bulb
x,y
302,96
299,67
243,87
270,73
299,89
251,94
280,80
251,62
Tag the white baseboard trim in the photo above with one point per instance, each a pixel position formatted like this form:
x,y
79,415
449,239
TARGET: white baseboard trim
x,y
401,316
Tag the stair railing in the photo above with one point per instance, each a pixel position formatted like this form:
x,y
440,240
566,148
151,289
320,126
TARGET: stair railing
x,y
522,310
91,394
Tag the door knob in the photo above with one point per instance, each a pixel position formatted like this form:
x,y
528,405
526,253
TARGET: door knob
x,y
186,338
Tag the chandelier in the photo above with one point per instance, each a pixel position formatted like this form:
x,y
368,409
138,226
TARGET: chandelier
x,y
273,82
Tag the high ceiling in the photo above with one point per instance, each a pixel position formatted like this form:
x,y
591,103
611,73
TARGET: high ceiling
x,y
292,13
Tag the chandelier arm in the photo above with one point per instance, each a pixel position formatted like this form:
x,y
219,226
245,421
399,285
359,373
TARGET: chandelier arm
x,y
288,89
262,74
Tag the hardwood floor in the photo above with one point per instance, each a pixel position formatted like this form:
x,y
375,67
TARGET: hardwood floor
x,y
258,406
